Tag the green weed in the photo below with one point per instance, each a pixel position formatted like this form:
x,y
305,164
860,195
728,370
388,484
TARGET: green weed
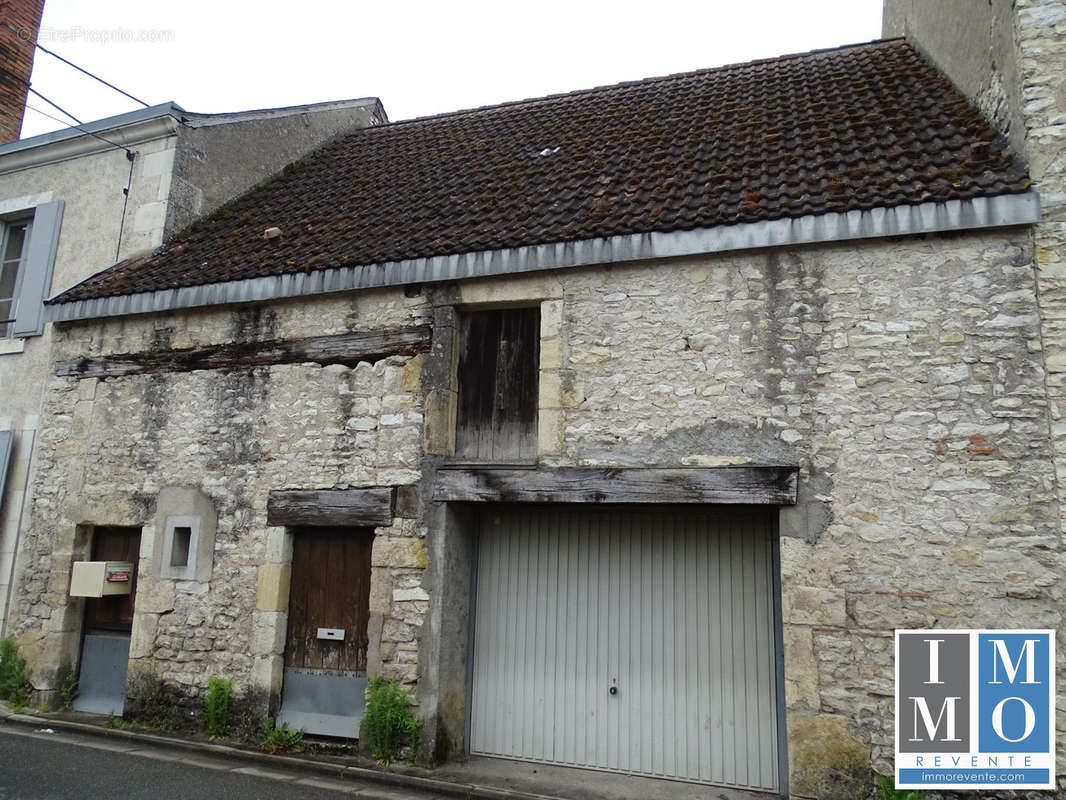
x,y
389,724
216,707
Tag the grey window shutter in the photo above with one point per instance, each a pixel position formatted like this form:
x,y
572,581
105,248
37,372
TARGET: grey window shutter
x,y
6,438
37,269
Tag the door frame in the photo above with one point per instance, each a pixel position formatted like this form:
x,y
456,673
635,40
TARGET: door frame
x,y
480,509
85,545
292,533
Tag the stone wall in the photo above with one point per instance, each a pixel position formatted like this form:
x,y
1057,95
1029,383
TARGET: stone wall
x,y
113,448
1041,34
1012,69
905,377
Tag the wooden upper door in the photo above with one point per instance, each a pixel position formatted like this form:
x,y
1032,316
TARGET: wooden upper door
x,y
114,612
330,589
499,362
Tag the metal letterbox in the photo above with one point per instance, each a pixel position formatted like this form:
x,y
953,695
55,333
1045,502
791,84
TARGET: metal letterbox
x,y
101,578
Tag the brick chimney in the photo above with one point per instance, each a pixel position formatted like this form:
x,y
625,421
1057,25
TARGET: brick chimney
x,y
20,20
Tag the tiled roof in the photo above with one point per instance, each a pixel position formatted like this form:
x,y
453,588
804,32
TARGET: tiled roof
x,y
853,128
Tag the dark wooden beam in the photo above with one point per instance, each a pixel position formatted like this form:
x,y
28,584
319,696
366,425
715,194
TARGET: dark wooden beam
x,y
345,348
408,502
747,485
356,507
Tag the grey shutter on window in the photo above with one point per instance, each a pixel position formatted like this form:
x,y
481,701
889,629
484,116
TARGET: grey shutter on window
x,y
6,438
37,269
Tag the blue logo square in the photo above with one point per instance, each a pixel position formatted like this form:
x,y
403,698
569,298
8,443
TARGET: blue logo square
x,y
1013,693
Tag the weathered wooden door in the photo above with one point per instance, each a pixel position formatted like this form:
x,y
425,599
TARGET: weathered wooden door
x,y
499,363
108,621
326,640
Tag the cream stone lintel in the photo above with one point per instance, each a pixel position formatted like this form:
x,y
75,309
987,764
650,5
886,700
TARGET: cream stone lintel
x,y
518,289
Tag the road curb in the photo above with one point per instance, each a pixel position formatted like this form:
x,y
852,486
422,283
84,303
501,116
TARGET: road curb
x,y
309,765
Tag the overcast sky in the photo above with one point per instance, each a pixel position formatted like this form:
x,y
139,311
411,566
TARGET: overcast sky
x,y
419,58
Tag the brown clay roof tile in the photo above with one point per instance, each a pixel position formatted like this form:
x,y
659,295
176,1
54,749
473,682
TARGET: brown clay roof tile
x,y
853,128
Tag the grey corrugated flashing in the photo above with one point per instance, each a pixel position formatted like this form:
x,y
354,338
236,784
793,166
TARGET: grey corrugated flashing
x,y
933,217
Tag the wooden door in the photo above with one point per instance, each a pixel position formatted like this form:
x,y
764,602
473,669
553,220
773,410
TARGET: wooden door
x,y
499,362
330,589
114,612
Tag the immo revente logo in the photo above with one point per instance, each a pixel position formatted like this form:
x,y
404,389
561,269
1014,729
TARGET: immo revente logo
x,y
975,709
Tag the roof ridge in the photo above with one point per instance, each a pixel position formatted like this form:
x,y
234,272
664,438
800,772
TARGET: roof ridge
x,y
651,80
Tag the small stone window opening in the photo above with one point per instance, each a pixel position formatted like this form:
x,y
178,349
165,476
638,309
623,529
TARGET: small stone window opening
x,y
498,380
180,546
179,549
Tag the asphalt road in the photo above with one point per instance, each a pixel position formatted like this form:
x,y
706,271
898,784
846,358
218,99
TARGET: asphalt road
x,y
36,765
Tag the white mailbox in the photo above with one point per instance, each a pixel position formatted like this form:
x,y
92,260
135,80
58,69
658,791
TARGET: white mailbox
x,y
101,578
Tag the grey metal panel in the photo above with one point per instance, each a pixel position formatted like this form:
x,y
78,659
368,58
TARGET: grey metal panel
x,y
674,608
102,679
36,278
980,212
329,705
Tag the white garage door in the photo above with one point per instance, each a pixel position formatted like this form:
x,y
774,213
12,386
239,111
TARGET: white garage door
x,y
631,641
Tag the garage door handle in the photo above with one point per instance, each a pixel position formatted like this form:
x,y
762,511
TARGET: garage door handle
x,y
613,690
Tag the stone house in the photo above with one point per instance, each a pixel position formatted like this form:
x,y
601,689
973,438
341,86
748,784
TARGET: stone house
x,y
623,426
76,200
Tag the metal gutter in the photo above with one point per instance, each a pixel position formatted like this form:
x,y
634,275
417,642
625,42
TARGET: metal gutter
x,y
62,148
170,109
933,217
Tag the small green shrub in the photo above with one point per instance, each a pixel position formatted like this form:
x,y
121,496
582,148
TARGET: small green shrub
x,y
388,722
216,706
117,723
12,674
886,790
66,689
280,740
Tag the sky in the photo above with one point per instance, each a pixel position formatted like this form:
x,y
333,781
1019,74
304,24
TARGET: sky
x,y
215,56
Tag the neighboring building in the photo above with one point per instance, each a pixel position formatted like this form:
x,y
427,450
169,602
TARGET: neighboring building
x,y
77,200
622,426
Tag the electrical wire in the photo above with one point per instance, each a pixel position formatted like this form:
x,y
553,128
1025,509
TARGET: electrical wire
x,y
79,124
40,46
130,156
125,203
94,77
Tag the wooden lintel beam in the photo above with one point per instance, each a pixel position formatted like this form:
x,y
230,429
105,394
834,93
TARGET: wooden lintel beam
x,y
774,485
345,348
369,508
